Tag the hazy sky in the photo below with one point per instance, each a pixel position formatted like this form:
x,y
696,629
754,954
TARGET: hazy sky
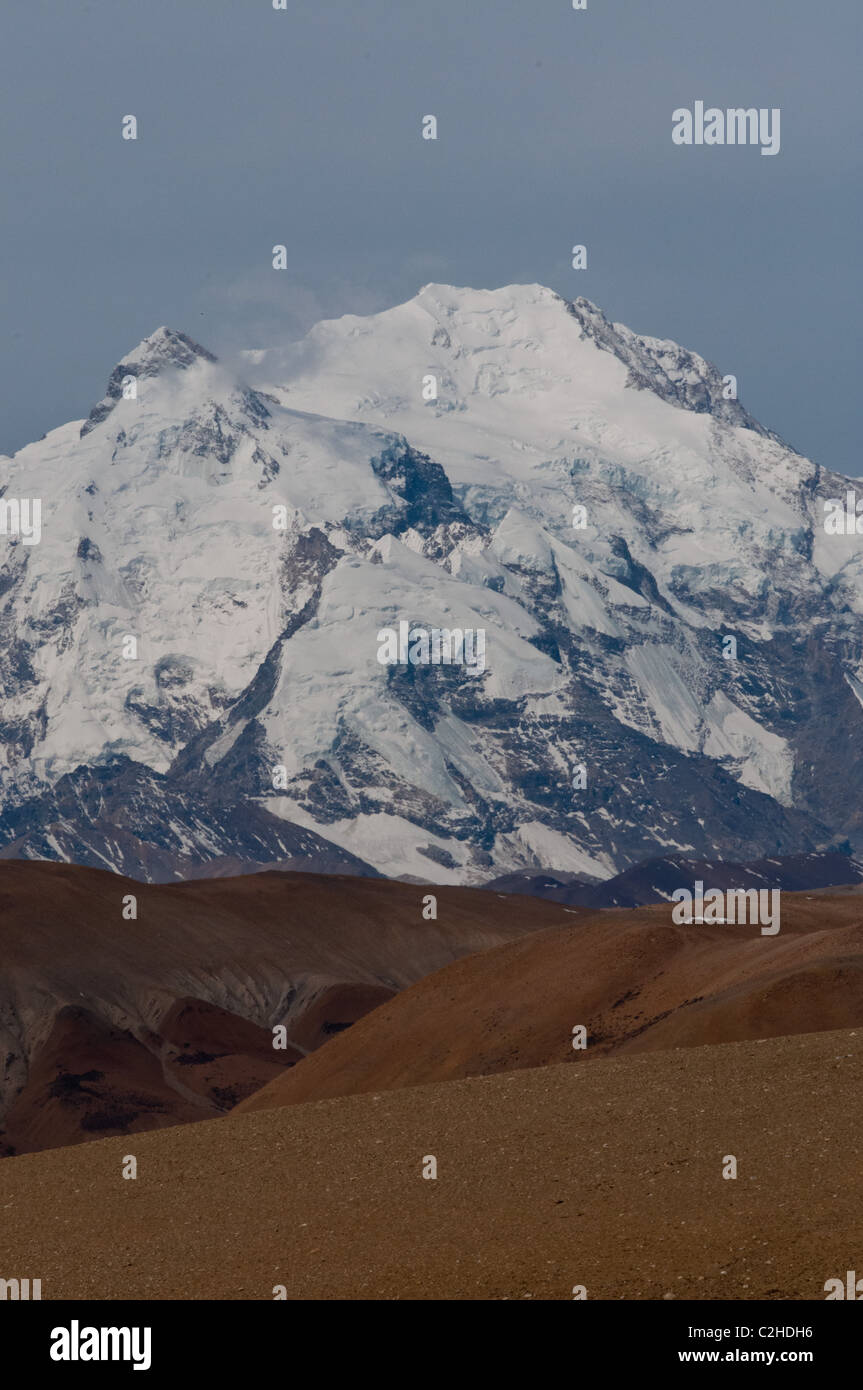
x,y
303,127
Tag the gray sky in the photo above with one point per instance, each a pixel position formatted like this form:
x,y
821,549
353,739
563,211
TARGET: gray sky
x,y
302,127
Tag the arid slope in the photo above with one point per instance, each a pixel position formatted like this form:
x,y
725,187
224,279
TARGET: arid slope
x,y
632,978
111,1023
607,1176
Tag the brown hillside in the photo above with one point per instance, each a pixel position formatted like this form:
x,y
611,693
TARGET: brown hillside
x,y
110,1025
635,980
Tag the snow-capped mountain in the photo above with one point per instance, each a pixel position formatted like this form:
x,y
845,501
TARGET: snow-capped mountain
x,y
189,654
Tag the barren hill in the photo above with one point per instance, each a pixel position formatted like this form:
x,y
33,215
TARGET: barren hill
x,y
112,1024
633,979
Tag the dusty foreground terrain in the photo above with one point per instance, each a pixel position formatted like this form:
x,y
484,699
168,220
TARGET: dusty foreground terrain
x,y
113,1024
607,1175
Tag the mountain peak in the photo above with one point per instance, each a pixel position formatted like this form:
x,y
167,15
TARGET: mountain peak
x,y
682,378
163,348
463,297
506,343
514,465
